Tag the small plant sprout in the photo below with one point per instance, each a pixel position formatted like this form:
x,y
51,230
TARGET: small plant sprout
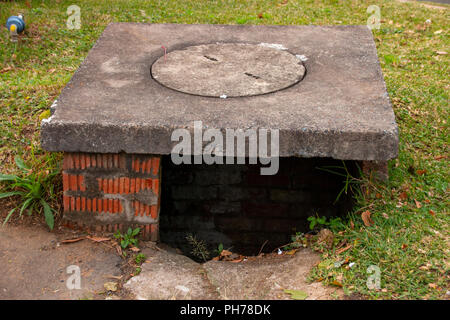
x,y
128,238
199,249
140,258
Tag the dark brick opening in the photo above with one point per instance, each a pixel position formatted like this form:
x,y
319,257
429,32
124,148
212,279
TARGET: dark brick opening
x,y
236,206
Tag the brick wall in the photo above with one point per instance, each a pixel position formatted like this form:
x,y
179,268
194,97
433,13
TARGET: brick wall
x,y
106,192
236,206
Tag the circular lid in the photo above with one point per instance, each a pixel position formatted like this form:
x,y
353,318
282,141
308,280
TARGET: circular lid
x,y
228,70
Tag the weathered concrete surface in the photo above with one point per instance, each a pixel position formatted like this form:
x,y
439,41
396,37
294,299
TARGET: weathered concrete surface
x,y
340,109
228,70
267,278
168,275
34,265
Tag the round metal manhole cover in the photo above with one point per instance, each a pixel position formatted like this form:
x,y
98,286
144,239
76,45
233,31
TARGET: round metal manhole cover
x,y
228,70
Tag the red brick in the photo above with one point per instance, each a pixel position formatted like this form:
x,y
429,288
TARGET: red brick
x,y
65,181
66,201
116,206
116,161
136,208
76,160
148,183
67,161
115,189
155,165
94,160
154,212
110,186
148,166
105,186
81,185
73,182
121,185
82,161
77,203
138,184
155,186
136,165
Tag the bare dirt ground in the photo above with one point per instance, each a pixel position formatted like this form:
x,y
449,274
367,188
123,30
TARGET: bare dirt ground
x,y
34,264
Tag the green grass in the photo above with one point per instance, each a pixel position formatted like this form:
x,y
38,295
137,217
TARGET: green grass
x,y
407,243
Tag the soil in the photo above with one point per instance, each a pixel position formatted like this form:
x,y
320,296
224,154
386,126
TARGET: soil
x,y
35,265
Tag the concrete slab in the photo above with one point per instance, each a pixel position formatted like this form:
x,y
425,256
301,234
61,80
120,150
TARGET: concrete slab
x,y
168,275
340,109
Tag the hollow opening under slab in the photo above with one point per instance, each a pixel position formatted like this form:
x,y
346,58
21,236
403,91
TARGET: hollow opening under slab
x,y
235,206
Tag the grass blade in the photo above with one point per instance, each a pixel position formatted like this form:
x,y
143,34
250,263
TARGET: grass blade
x,y
21,164
9,216
10,194
8,177
49,219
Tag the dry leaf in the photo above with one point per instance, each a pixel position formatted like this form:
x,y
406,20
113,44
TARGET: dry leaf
x,y
5,69
135,249
403,195
366,218
352,225
291,252
441,52
421,172
404,246
97,239
438,32
216,258
385,215
343,249
225,253
73,240
418,204
297,294
432,212
110,286
337,283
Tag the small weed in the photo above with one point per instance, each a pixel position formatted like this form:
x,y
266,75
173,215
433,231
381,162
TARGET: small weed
x,y
198,247
140,258
316,222
127,239
219,249
35,189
